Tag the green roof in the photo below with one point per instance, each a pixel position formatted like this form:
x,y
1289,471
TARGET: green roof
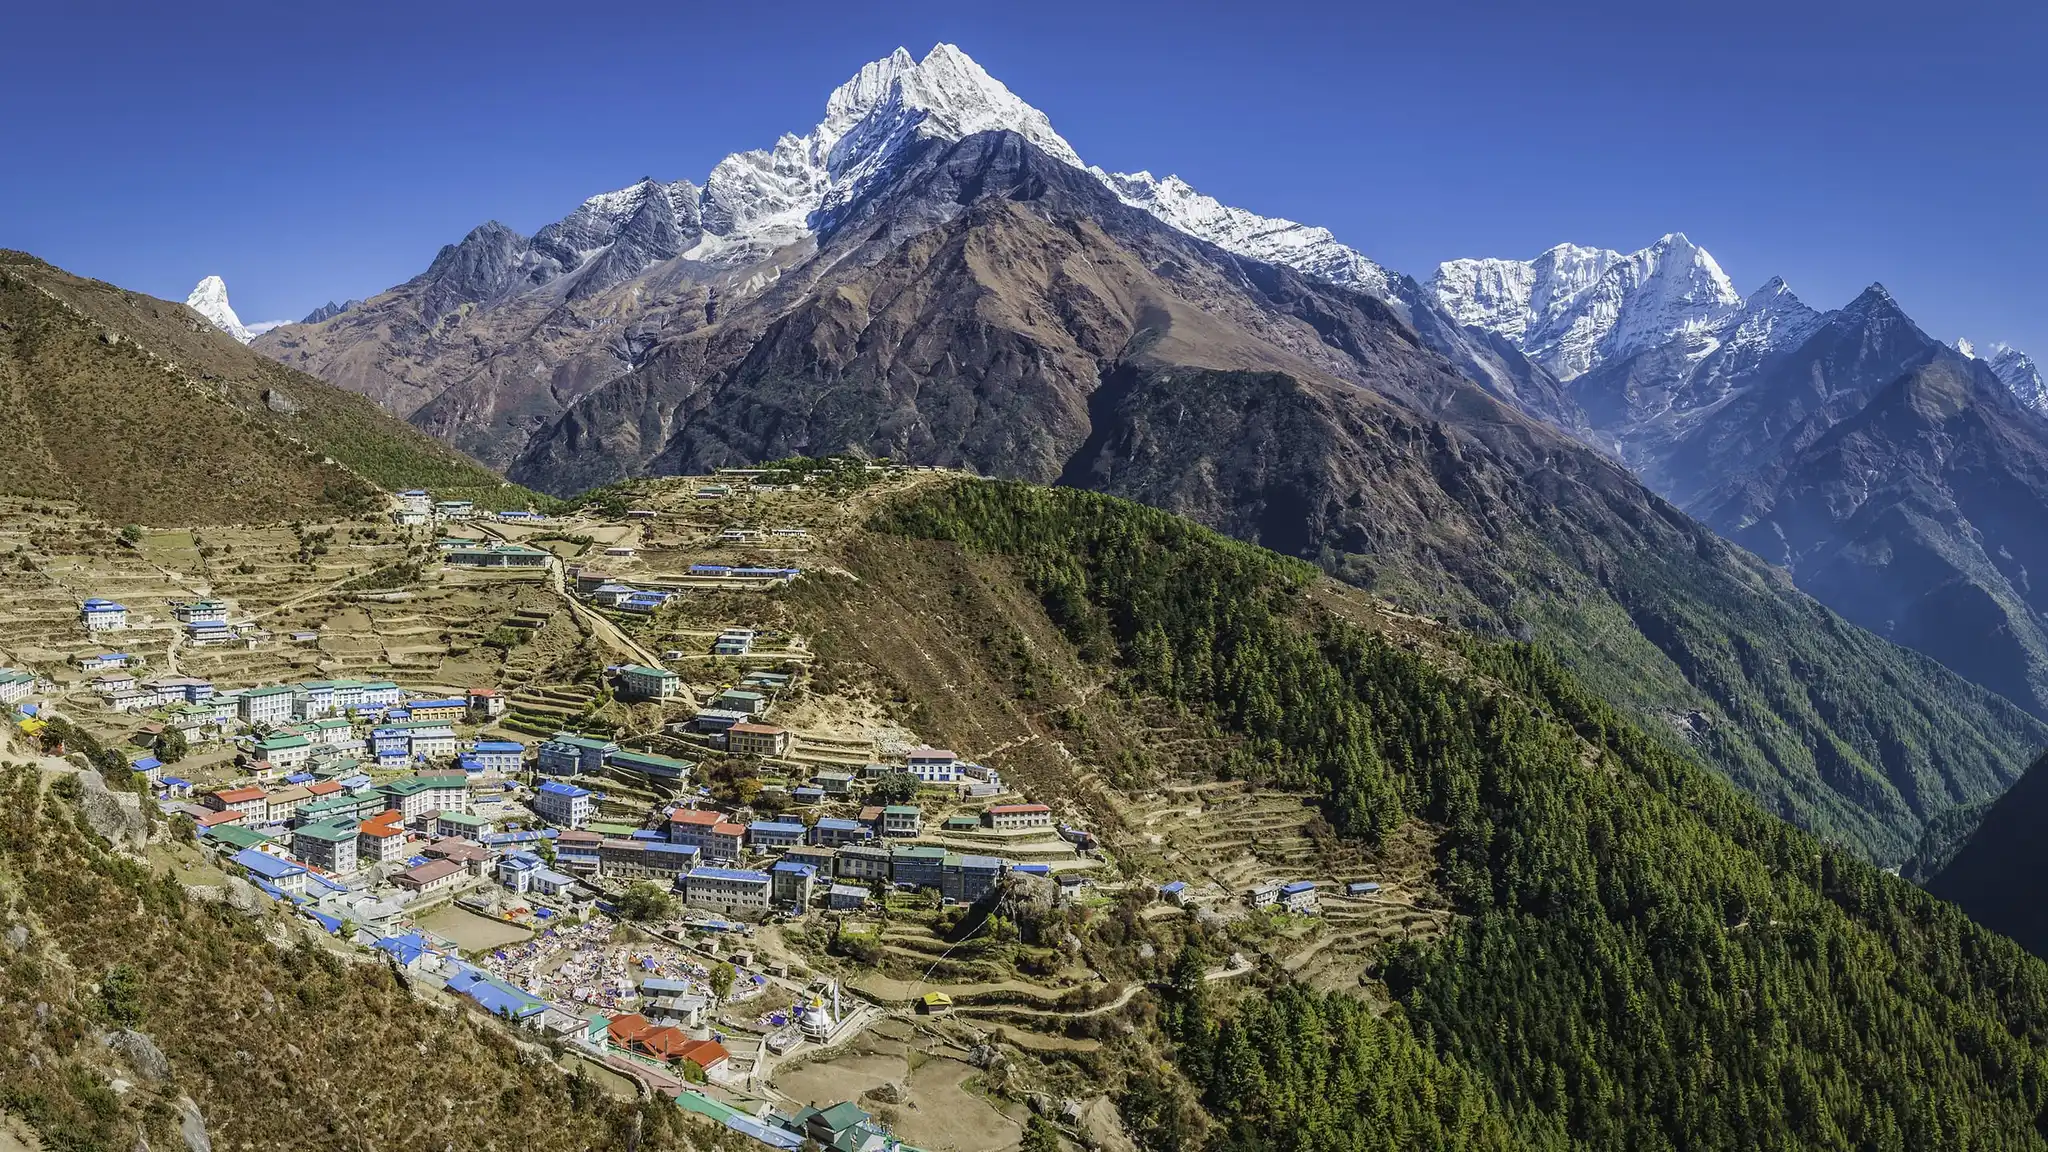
x,y
463,818
919,851
237,837
333,831
635,758
281,742
644,670
578,741
842,1116
412,784
612,829
900,810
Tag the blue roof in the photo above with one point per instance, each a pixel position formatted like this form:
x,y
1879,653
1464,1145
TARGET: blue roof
x,y
730,874
667,987
324,882
266,866
500,746
324,920
495,838
439,704
557,788
673,849
96,602
147,763
1034,869
294,778
841,824
502,999
1298,886
177,782
648,834
552,878
776,828
406,948
1173,886
995,862
795,866
269,889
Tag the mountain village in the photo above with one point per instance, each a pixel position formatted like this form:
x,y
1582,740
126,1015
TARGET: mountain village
x,y
646,835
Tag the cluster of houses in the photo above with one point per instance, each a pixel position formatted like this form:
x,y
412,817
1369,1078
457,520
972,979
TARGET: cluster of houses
x,y
204,622
417,507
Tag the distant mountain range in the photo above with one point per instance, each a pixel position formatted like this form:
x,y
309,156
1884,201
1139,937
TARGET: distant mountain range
x,y
932,273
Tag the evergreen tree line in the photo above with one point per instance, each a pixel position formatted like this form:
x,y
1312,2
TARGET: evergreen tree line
x,y
1644,959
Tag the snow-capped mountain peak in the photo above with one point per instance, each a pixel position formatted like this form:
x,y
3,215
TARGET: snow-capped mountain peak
x,y
1574,307
755,202
210,299
2015,368
1271,239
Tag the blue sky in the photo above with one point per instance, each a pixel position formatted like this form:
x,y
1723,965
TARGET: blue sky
x,y
314,151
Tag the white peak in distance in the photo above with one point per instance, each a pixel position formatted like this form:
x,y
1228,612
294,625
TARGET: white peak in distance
x,y
1573,308
2015,369
754,201
209,298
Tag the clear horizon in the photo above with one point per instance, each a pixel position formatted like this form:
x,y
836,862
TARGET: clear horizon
x,y
305,160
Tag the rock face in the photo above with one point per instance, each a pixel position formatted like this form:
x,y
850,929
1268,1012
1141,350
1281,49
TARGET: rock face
x,y
117,816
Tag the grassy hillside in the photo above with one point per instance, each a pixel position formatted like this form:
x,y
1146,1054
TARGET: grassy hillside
x,y
1640,959
143,412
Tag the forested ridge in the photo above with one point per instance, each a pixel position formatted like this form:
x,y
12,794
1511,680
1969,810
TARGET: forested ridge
x,y
1644,958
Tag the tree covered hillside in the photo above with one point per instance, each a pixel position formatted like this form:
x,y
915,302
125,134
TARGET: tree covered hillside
x,y
1642,958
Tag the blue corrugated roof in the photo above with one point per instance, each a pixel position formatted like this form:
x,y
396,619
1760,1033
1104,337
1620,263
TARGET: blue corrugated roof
x,y
795,866
500,746
266,866
776,828
557,788
1297,886
406,948
730,874
147,763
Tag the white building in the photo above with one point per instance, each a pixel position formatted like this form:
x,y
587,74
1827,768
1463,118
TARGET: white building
x,y
101,615
562,804
933,765
726,888
272,705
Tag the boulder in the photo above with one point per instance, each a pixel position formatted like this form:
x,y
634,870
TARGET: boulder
x,y
116,816
192,1126
143,1056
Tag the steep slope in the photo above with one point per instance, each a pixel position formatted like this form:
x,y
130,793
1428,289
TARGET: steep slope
x,y
1923,517
144,412
1996,875
1614,904
996,309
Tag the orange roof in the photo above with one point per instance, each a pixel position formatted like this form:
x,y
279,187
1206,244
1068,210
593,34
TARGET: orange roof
x,y
624,1029
239,795
1019,808
213,818
324,787
694,816
380,831
756,729
728,829
666,1043
705,1053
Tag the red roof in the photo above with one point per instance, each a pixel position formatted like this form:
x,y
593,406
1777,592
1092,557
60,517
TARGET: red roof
x,y
705,1053
666,1043
756,729
388,818
214,818
483,691
728,829
624,1029
1017,809
694,816
930,753
324,787
239,795
380,831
